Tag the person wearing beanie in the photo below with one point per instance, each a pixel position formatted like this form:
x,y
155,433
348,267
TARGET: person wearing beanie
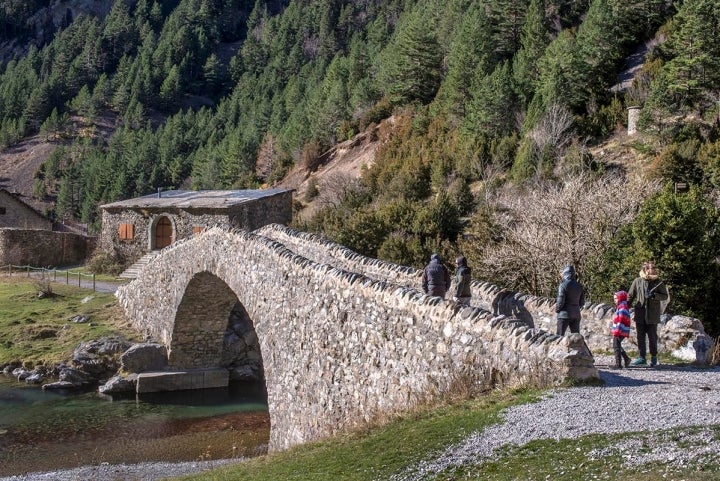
x,y
436,277
648,295
620,328
462,292
570,299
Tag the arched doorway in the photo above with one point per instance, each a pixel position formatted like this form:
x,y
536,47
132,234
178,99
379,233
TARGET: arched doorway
x,y
163,233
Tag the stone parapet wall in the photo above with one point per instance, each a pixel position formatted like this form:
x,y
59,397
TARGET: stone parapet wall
x,y
339,348
535,311
43,248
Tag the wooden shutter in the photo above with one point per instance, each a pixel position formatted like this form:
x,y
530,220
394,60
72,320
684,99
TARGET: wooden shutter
x,y
126,231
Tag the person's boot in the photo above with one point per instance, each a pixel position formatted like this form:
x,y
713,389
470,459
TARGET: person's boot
x,y
639,361
618,363
653,361
626,358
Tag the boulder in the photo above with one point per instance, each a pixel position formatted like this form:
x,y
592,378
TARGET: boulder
x,y
686,339
75,376
59,385
35,378
144,357
118,384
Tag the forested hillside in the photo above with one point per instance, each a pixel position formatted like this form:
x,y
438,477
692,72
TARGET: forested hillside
x,y
496,105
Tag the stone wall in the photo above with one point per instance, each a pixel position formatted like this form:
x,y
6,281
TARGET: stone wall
x,y
339,348
43,248
15,213
674,335
143,221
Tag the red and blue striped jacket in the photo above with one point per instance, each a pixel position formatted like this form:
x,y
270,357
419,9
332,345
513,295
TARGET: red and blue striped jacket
x,y
621,320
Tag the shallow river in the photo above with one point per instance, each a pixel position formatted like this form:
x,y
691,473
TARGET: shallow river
x,y
44,431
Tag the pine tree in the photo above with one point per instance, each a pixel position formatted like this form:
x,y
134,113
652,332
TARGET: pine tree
x,y
411,67
534,39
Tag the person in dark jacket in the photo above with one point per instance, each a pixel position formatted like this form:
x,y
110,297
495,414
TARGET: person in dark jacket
x,y
462,292
648,295
436,277
570,298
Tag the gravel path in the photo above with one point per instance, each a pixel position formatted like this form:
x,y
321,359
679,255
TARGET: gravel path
x,y
654,399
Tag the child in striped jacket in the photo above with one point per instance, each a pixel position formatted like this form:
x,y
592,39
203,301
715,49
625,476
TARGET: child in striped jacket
x,y
620,328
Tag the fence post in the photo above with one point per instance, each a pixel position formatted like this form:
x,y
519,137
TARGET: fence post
x,y
28,271
78,279
93,282
54,275
67,277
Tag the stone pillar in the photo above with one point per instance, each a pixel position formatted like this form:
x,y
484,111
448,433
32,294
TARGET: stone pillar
x,y
633,116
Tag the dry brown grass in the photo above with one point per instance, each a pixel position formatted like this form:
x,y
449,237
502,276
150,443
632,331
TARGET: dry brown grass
x,y
714,353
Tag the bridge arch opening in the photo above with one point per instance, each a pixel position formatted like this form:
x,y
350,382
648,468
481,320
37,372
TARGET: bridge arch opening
x,y
213,329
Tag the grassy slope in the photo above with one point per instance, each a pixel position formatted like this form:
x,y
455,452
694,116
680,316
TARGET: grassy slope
x,y
39,330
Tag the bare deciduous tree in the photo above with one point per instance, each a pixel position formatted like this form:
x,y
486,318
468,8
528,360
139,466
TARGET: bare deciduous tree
x,y
554,129
334,186
558,224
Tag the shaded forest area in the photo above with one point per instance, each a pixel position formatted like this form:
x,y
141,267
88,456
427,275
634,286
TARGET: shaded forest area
x,y
497,105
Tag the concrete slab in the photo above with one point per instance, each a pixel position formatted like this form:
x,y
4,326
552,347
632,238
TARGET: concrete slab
x,y
181,380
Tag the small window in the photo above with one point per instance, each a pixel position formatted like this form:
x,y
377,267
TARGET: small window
x,y
2,210
126,231
198,229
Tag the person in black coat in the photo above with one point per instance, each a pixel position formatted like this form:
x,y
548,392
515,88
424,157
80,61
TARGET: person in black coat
x,y
436,277
570,298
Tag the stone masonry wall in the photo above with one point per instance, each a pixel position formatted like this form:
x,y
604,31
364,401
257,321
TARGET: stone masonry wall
x,y
539,312
339,348
19,215
43,248
142,220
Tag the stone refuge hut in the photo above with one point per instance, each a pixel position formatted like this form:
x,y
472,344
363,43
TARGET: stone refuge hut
x,y
132,228
16,213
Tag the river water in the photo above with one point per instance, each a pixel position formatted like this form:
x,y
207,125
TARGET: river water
x,y
46,431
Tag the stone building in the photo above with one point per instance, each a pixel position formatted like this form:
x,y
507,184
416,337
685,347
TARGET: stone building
x,y
16,213
137,226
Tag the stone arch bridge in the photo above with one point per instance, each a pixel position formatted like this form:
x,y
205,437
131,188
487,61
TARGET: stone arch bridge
x,y
345,339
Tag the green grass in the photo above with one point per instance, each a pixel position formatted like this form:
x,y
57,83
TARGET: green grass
x,y
374,453
598,457
39,330
381,452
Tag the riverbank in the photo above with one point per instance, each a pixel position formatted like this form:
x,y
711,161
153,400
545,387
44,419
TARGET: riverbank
x,y
642,424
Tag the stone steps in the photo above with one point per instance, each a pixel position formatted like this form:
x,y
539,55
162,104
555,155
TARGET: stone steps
x,y
134,270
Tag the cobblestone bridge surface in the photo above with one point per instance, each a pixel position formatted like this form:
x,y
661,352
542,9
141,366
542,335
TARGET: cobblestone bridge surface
x,y
345,339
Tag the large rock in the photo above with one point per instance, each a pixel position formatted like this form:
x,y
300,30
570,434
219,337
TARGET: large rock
x,y
144,357
686,339
118,384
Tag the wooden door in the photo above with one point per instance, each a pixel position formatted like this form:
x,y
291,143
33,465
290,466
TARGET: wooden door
x,y
163,233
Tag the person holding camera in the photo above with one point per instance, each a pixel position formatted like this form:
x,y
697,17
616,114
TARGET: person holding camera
x,y
648,295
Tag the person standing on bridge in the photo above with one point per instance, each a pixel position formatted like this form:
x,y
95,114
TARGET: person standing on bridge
x,y
436,277
462,292
570,298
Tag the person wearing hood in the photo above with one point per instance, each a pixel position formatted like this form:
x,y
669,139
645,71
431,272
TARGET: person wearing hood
x,y
436,277
648,295
462,293
620,328
570,298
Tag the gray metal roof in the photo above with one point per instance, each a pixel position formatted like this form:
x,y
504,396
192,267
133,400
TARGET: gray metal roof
x,y
198,199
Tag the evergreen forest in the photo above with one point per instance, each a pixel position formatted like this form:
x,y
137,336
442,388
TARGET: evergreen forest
x,y
487,114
